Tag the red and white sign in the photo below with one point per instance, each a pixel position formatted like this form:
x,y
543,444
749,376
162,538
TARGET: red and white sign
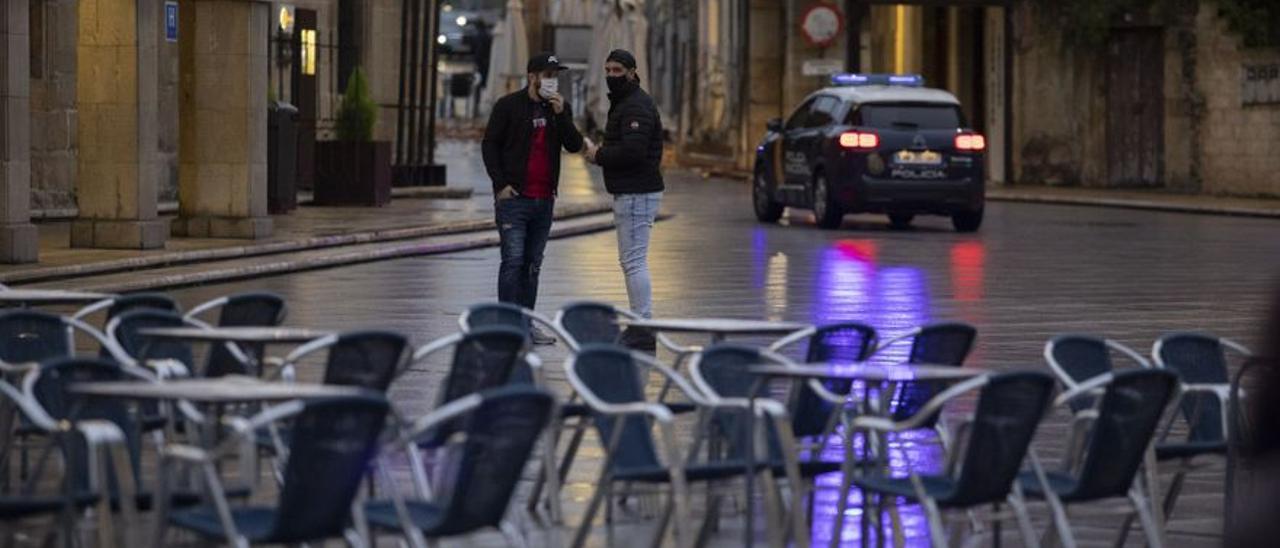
x,y
821,24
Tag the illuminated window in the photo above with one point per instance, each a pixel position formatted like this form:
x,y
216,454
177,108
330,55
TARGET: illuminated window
x,y
308,52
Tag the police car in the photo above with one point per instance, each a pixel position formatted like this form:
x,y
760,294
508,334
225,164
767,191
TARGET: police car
x,y
873,143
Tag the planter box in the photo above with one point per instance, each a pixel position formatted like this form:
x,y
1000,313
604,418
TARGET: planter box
x,y
353,173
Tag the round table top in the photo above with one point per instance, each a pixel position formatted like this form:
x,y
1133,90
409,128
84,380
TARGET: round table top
x,y
720,326
869,372
50,296
229,389
237,334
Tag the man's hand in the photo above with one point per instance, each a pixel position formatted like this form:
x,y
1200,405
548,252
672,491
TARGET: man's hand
x,y
557,103
589,152
507,193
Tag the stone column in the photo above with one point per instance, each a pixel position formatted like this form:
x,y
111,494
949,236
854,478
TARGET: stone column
x,y
18,238
117,102
222,105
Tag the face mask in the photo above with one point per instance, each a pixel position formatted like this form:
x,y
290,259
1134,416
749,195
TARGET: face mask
x,y
617,83
548,87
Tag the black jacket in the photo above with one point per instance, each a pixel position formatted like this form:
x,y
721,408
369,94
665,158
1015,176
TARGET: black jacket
x,y
506,140
631,154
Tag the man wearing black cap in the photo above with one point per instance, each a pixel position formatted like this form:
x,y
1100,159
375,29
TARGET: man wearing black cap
x,y
631,156
521,151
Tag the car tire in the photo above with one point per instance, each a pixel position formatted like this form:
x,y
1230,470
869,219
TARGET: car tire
x,y
767,210
900,221
967,221
825,209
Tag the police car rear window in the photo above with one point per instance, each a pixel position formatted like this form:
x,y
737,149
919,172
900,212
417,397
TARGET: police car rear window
x,y
907,116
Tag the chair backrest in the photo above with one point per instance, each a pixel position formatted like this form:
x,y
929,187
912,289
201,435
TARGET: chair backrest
x,y
590,322
500,435
1010,407
126,327
491,314
724,368
947,343
367,359
139,301
484,358
50,389
331,445
840,342
1128,416
1076,359
33,336
611,375
1197,358
244,310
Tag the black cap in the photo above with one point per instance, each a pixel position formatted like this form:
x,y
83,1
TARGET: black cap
x,y
622,57
545,61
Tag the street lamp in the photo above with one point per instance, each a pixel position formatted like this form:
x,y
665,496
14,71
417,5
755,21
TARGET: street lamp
x,y
461,20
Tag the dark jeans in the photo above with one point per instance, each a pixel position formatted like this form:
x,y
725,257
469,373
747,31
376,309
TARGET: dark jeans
x,y
524,225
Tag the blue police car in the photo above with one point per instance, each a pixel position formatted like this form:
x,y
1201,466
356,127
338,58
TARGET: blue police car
x,y
873,143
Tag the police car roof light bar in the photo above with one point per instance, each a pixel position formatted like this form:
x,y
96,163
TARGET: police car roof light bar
x,y
855,79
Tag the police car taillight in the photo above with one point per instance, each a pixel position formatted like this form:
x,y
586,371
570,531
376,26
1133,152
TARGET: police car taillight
x,y
859,140
971,142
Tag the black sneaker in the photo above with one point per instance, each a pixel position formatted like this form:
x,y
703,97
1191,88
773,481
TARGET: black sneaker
x,y
540,337
639,339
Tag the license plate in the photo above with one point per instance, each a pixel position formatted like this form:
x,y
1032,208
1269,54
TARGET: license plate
x,y
918,158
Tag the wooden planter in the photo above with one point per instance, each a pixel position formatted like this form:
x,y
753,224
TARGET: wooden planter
x,y
353,173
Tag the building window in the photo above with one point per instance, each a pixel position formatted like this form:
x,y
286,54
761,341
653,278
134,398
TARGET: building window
x,y
36,34
309,52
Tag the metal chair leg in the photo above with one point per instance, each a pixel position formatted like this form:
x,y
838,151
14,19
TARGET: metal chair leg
x,y
1155,537
1019,505
512,534
580,537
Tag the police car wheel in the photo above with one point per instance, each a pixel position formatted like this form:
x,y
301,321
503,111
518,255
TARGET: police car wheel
x,y
900,221
967,221
825,210
767,210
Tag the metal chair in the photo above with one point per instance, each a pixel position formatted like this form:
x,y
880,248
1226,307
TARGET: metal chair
x,y
811,405
1200,361
722,374
1075,359
610,380
333,443
943,343
500,428
1128,414
170,358
240,310
512,316
114,306
983,468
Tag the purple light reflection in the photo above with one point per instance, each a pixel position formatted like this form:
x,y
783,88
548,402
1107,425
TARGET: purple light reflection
x,y
850,287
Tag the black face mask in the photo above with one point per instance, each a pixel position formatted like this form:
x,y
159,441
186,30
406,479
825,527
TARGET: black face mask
x,y
617,84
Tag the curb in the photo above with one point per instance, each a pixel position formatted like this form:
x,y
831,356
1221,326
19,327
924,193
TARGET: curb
x,y
253,250
583,224
304,198
1131,203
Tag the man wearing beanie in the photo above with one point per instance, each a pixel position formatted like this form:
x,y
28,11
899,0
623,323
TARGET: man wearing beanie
x,y
521,149
631,156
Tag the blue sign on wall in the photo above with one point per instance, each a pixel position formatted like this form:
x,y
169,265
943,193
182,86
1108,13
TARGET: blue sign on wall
x,y
171,21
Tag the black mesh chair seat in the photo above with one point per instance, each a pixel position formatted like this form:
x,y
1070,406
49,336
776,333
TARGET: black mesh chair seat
x,y
426,516
711,471
1062,485
244,310
939,488
17,507
947,343
1186,450
255,523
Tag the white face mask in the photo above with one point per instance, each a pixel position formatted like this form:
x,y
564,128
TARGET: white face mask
x,y
549,87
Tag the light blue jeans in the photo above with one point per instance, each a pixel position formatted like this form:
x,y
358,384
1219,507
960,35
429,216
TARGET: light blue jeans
x,y
633,217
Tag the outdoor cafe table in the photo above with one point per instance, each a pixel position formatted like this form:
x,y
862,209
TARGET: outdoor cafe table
x,y
237,335
868,373
39,297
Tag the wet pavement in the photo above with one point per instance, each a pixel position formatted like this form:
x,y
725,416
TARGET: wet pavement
x,y
1033,271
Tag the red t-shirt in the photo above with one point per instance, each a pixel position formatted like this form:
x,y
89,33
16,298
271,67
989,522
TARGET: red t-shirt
x,y
537,181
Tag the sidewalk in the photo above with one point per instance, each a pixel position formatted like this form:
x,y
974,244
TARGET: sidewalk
x,y
1137,199
422,215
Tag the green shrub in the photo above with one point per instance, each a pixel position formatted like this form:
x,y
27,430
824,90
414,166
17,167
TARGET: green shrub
x,y
358,112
